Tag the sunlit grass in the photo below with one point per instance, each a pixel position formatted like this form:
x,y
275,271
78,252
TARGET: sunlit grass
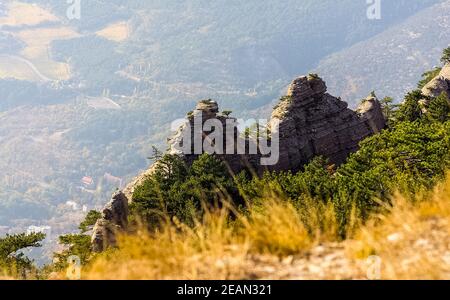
x,y
217,247
412,240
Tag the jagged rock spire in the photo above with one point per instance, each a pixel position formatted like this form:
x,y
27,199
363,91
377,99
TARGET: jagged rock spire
x,y
314,123
114,219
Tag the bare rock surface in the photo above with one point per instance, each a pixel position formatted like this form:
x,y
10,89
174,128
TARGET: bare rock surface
x,y
440,84
114,219
315,123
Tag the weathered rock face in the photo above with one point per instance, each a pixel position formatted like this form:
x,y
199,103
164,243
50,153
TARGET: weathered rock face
x,y
114,219
200,125
370,110
314,123
311,123
439,84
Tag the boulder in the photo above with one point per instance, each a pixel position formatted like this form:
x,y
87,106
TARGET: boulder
x,y
371,111
438,85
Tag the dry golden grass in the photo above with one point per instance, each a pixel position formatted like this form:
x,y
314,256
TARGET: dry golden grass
x,y
215,248
413,240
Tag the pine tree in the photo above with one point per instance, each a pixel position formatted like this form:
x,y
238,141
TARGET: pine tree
x,y
446,56
12,260
439,108
411,109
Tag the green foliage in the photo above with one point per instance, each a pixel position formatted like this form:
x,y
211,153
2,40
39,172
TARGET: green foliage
x,y
227,113
207,101
314,181
313,76
446,56
439,108
177,190
14,262
408,158
411,109
89,221
388,108
428,76
76,244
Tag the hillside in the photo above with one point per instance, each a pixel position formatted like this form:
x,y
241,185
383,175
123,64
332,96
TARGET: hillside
x,y
353,194
86,99
391,62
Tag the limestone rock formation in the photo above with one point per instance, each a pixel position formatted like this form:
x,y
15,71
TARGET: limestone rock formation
x,y
196,127
114,219
308,122
439,84
371,111
311,123
314,123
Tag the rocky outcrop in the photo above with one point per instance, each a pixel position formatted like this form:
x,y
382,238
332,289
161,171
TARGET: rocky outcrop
x,y
307,122
440,84
371,112
310,122
231,144
314,123
114,219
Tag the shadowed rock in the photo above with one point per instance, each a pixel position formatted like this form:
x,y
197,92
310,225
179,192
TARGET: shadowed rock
x,y
438,85
114,219
314,123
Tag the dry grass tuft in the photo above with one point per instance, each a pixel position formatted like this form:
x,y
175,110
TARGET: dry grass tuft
x,y
216,248
413,240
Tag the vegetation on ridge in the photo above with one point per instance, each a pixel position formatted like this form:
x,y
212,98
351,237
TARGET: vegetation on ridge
x,y
197,222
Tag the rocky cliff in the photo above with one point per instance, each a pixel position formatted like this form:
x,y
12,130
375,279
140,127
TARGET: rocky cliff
x,y
440,84
114,219
315,123
307,122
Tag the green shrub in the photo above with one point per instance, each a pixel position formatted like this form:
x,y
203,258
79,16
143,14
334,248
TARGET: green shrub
x,y
178,190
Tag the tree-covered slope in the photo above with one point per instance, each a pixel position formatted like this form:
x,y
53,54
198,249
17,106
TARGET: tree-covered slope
x,y
390,63
241,53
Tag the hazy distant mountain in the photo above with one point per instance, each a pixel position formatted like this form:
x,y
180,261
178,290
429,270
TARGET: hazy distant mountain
x,y
84,100
391,62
